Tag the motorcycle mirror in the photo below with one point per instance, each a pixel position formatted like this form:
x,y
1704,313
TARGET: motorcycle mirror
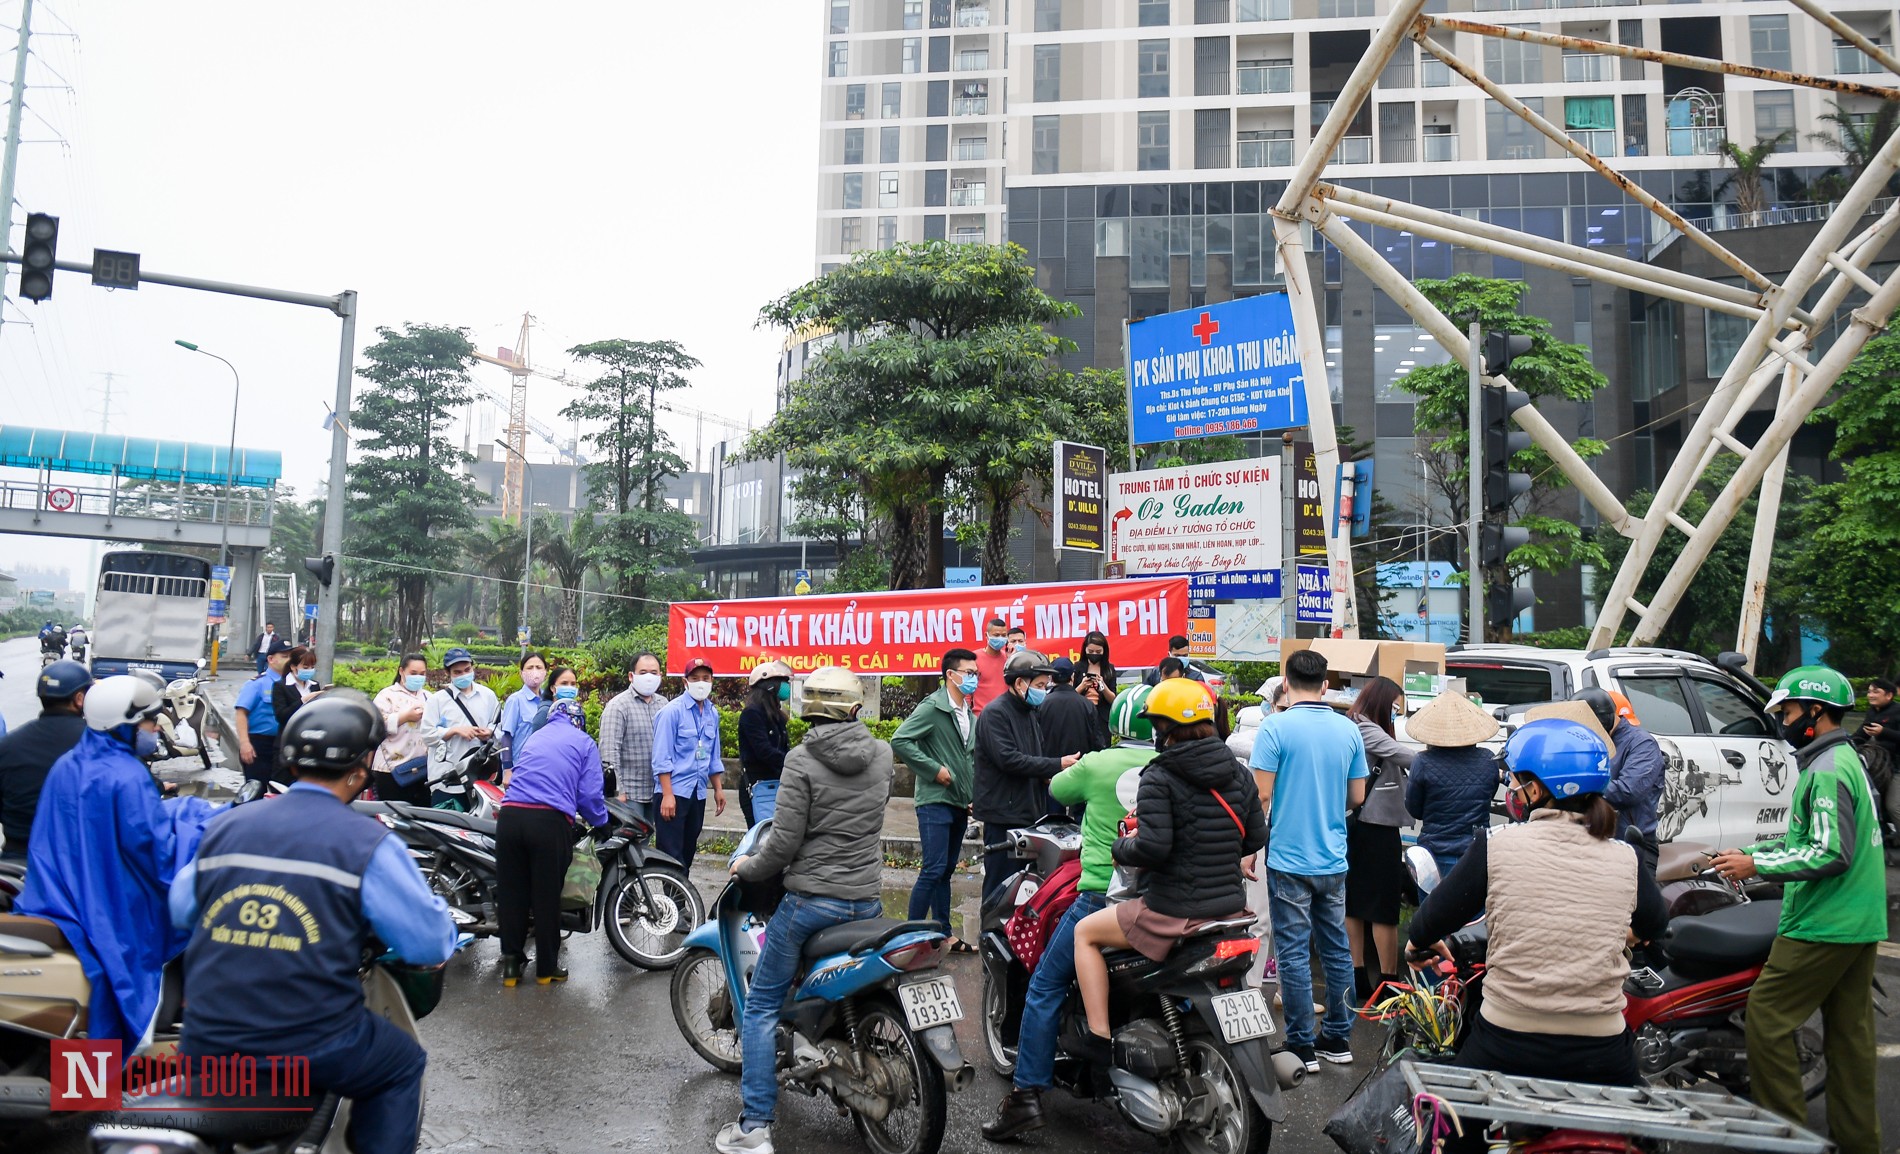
x,y
1423,868
249,791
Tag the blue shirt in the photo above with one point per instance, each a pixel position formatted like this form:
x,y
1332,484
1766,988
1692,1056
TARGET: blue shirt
x,y
686,745
1312,752
559,767
254,699
407,916
517,720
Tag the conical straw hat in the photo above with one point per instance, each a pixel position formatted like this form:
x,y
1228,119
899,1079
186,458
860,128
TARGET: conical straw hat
x,y
1577,711
1451,720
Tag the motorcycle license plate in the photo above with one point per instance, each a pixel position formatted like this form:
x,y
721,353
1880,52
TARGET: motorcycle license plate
x,y
931,1002
1243,1016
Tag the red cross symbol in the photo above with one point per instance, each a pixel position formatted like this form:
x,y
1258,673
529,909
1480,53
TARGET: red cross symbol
x,y
1206,329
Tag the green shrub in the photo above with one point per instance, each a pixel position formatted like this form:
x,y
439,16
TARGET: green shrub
x,y
369,677
1246,677
465,631
1570,637
613,655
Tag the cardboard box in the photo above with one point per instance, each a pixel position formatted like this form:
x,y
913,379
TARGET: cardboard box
x,y
1393,659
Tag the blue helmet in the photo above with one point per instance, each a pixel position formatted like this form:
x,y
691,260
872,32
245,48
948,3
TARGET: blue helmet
x,y
62,679
1564,755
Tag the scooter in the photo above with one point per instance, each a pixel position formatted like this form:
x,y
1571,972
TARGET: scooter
x,y
79,646
869,1022
183,720
1017,919
648,902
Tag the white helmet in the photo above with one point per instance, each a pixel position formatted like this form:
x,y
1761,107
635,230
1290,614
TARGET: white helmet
x,y
115,701
833,694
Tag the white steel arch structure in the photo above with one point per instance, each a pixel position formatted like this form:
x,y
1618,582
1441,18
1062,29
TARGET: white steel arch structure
x,y
1778,348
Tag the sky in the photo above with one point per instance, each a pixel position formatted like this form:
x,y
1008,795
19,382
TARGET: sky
x,y
619,168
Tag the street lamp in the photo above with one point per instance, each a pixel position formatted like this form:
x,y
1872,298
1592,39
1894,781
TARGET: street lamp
x,y
527,525
230,455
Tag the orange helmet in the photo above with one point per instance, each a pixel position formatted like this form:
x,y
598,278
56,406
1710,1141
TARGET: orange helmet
x,y
1623,708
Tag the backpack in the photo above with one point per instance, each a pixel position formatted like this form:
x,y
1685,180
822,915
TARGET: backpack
x,y
1032,924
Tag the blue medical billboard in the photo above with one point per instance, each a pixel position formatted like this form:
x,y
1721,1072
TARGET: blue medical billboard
x,y
1232,367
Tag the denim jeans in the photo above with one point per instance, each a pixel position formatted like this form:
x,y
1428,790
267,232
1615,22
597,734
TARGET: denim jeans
x,y
940,829
799,917
1048,990
1305,910
764,800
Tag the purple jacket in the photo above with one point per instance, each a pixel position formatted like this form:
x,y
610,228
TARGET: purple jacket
x,y
559,767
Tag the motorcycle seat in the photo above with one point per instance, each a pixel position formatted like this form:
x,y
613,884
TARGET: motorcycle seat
x,y
444,817
38,930
1737,936
1220,926
219,1120
860,936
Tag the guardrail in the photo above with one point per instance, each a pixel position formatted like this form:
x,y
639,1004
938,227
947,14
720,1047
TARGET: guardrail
x,y
251,507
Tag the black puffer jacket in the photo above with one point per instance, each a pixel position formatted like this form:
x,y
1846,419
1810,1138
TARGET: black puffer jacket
x,y
1187,839
1012,775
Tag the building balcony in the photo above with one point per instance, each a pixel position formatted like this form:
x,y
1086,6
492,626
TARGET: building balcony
x,y
967,196
1353,150
1258,153
1439,148
972,148
973,16
1262,76
967,234
1852,61
1434,73
1601,141
970,106
1703,141
1587,68
973,61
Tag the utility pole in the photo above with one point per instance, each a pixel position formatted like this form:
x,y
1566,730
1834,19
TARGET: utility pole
x,y
9,162
1474,572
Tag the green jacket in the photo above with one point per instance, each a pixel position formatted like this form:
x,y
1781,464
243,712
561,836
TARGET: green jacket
x,y
1091,782
1830,859
929,740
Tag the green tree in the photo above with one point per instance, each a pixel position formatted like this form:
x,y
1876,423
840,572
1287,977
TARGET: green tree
x,y
937,340
641,537
1553,369
563,549
407,494
1859,137
496,548
1751,196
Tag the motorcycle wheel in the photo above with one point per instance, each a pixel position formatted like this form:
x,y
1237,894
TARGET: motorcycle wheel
x,y
995,1011
1234,1125
653,938
910,1082
703,1010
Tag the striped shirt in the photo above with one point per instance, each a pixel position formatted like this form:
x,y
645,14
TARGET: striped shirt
x,y
626,741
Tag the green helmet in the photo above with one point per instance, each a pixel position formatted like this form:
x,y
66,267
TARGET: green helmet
x,y
1813,683
1126,718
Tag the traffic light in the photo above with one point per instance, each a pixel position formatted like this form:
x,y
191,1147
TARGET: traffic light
x,y
1500,349
36,259
322,568
1504,602
1502,441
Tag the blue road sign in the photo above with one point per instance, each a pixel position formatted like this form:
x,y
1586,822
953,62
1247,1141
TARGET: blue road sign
x,y
1234,585
1313,600
1232,367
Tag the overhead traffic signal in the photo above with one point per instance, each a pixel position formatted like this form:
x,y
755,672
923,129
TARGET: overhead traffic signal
x,y
1500,349
322,568
1503,440
1504,602
36,258
1500,441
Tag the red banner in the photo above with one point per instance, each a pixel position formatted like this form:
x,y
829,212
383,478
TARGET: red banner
x,y
907,632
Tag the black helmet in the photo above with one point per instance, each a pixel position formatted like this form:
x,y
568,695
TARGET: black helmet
x,y
1601,704
1026,663
333,733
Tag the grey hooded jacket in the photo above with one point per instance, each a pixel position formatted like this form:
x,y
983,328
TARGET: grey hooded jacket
x,y
827,833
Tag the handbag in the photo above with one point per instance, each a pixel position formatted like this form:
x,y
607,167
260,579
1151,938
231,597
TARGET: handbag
x,y
583,877
1378,1118
487,763
410,772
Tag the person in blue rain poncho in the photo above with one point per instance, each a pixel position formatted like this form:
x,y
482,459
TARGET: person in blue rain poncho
x,y
104,850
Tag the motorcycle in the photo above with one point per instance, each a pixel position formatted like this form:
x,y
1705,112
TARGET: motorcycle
x,y
1193,1060
52,647
869,1021
79,646
184,719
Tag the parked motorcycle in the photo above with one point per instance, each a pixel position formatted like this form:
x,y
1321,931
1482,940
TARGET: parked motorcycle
x,y
869,1022
1016,921
184,720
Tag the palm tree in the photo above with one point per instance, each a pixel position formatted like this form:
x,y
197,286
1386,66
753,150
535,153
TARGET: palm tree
x,y
1751,198
1859,137
564,549
496,549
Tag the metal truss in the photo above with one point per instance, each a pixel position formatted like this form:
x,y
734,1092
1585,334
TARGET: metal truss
x,y
1779,347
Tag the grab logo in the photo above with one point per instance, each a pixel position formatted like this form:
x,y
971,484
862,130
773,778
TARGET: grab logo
x,y
86,1075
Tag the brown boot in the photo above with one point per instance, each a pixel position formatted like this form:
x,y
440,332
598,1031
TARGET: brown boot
x,y
1019,1113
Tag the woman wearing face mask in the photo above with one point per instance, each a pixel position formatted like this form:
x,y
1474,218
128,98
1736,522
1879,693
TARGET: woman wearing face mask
x,y
518,713
763,742
1560,895
1374,854
402,703
557,775
298,686
563,684
1095,676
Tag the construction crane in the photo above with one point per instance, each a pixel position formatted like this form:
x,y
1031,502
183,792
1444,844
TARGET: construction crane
x,y
515,360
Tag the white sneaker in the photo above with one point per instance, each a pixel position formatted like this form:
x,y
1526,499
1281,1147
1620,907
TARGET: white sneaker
x,y
733,1140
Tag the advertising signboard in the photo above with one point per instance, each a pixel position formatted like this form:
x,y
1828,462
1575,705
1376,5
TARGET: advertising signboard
x,y
1081,486
1220,518
1309,516
1313,599
1232,367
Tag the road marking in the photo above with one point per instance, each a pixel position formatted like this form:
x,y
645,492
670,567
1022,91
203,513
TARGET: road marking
x,y
1888,1050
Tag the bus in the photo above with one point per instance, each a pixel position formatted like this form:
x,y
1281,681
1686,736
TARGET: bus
x,y
151,613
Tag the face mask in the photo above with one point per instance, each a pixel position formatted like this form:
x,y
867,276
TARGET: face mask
x,y
967,686
306,674
1097,657
1035,696
997,643
644,684
784,691
1800,733
1515,807
462,680
146,743
532,678
567,693
416,682
699,690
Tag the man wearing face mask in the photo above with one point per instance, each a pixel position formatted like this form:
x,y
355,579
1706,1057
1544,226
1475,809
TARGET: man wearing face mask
x,y
936,743
456,720
687,763
103,852
325,879
626,734
990,660
1012,773
1833,915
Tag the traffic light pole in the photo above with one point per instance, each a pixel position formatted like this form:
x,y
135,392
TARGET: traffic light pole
x,y
1474,569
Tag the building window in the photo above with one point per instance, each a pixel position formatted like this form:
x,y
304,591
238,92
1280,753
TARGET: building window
x,y
1768,42
913,13
973,148
854,102
940,54
1774,117
854,146
1153,13
912,52
1508,136
1722,338
1266,9
1046,144
887,232
840,16
840,59
1266,76
893,101
973,99
1512,61
1151,141
1048,15
933,226
1048,79
887,145
936,143
853,193
1635,125
850,234
1333,9
940,13
1213,132
1214,11
1212,60
937,99
1591,122
936,188
887,190
1153,55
